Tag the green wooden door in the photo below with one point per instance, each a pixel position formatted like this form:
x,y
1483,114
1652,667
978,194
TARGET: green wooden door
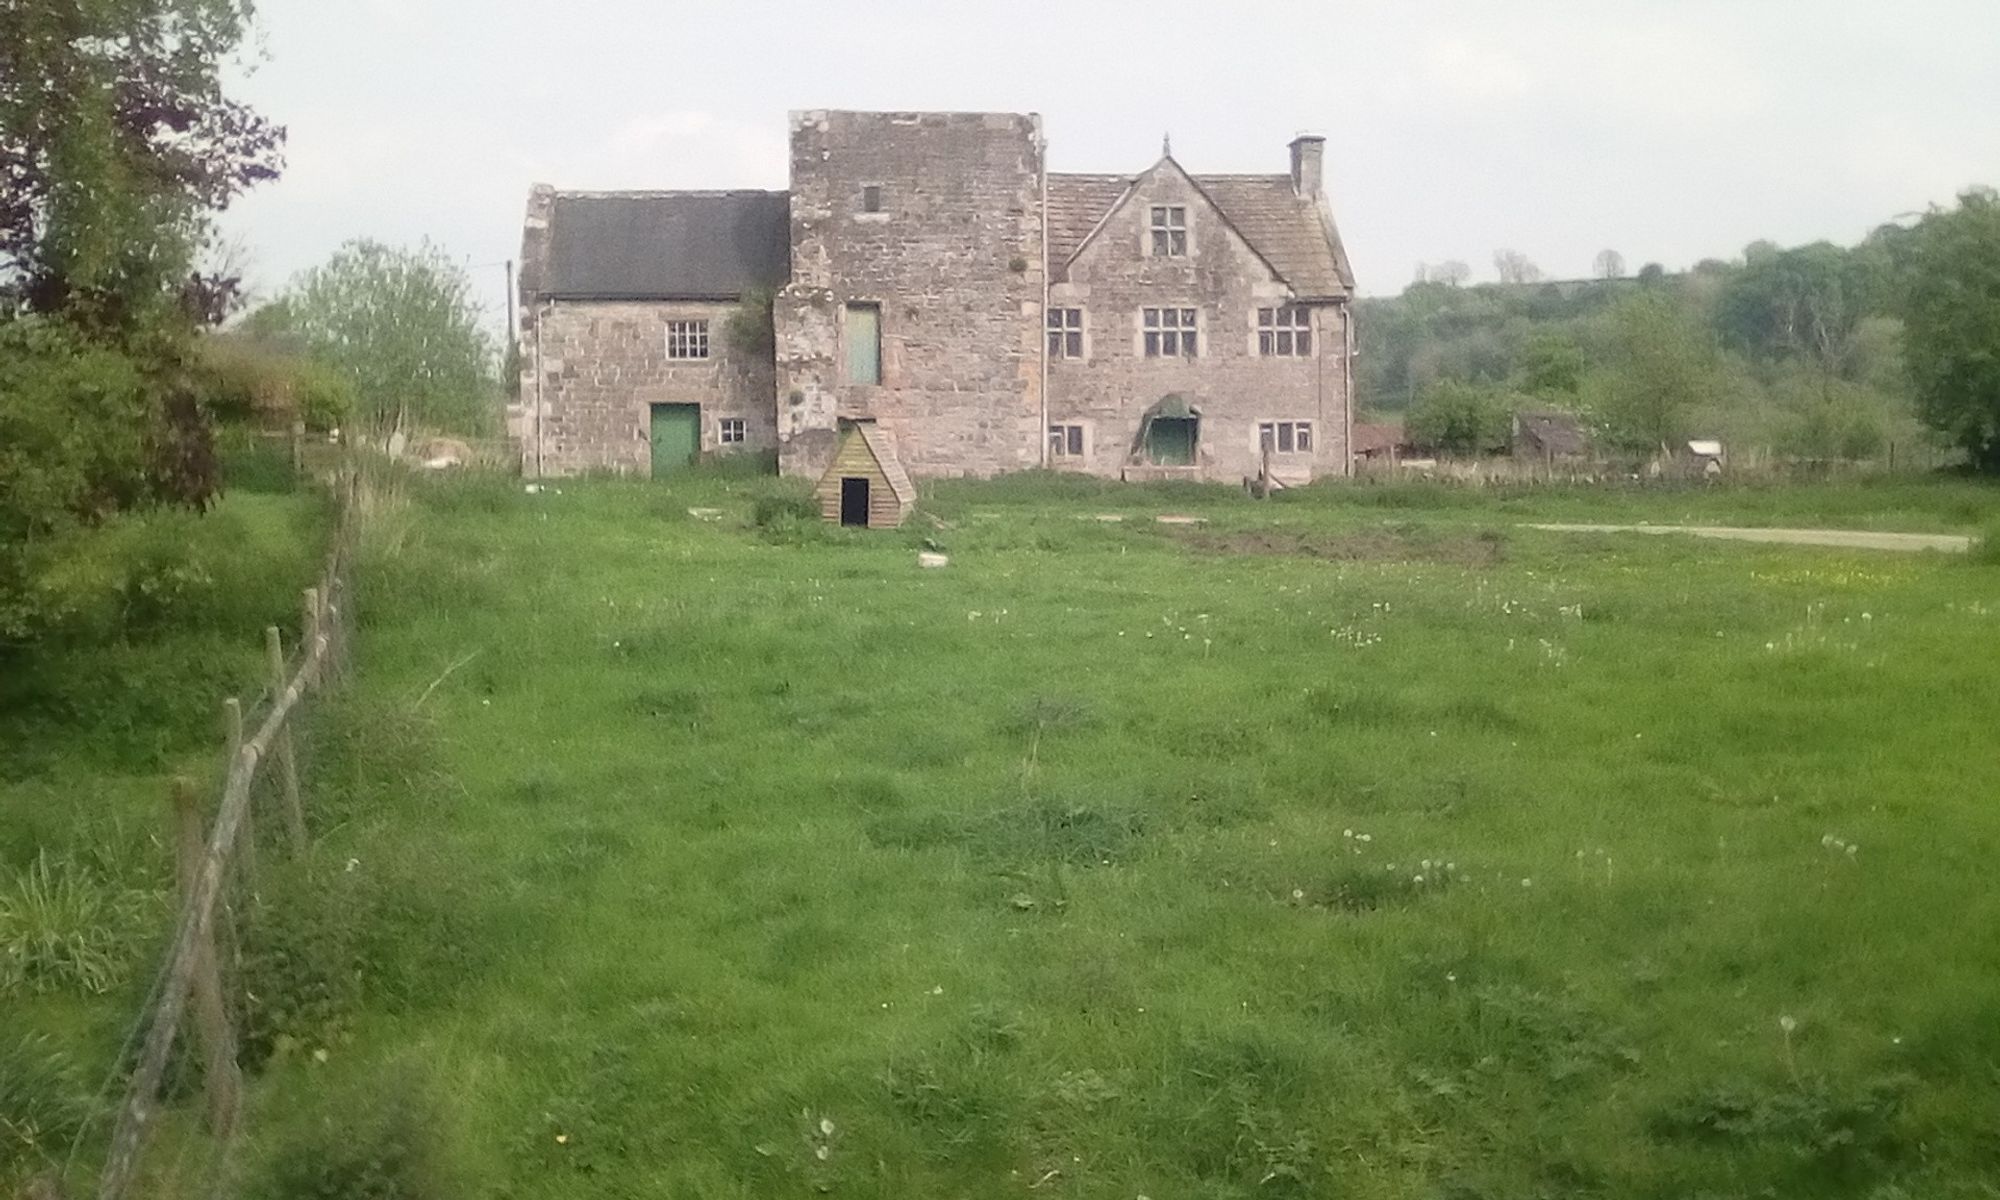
x,y
1170,441
676,436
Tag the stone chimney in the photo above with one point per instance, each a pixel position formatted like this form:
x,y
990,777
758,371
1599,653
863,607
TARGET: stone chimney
x,y
1308,164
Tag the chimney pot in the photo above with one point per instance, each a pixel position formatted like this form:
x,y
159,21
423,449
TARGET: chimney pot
x,y
1308,164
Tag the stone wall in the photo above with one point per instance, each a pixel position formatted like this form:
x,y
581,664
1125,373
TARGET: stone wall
x,y
1231,382
954,259
604,364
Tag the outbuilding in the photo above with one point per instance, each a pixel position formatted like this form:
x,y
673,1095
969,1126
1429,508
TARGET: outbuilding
x,y
866,486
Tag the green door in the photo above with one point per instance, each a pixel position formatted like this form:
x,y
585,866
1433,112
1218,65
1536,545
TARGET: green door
x,y
1170,441
676,436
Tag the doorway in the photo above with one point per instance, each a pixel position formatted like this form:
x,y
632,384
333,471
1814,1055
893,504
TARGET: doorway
x,y
1170,441
676,436
854,500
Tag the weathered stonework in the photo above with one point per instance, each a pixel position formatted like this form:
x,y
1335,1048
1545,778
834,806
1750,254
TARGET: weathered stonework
x,y
954,260
1233,385
949,227
605,364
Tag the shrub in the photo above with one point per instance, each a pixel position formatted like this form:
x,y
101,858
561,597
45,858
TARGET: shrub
x,y
43,1105
1986,547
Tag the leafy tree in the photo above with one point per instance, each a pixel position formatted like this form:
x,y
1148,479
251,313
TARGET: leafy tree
x,y
1454,417
1804,303
1552,367
1659,365
1952,313
1451,273
401,326
1609,265
116,147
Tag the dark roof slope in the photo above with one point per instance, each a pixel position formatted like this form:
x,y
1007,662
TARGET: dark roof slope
x,y
668,245
1282,226
1557,433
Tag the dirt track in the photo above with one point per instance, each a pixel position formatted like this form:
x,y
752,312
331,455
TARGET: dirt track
x,y
1851,539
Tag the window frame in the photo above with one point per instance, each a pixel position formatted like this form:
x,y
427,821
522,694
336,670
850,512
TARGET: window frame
x,y
1284,331
847,342
1069,441
1282,436
1064,339
1157,332
725,426
684,336
1168,234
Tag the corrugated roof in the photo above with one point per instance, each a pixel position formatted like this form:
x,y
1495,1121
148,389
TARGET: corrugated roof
x,y
1285,228
668,245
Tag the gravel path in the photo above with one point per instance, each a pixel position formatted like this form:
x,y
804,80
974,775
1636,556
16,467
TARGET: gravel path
x,y
1853,539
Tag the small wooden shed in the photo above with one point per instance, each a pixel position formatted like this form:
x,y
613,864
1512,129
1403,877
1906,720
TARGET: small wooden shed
x,y
866,486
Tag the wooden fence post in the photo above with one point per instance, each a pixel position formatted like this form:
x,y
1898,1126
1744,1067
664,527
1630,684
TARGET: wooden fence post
x,y
288,763
246,841
220,1074
311,631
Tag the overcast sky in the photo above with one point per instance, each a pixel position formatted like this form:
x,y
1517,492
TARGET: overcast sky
x,y
1669,130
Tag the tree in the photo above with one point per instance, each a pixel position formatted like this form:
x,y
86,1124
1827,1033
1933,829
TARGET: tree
x,y
1952,315
1451,272
117,146
1455,417
1659,366
1552,367
1609,265
402,327
1514,267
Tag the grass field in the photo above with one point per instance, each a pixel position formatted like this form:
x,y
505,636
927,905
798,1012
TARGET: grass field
x,y
1346,846
1356,844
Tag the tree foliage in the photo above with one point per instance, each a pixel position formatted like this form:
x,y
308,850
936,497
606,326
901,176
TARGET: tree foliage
x,y
402,328
1458,418
117,145
1659,366
1953,317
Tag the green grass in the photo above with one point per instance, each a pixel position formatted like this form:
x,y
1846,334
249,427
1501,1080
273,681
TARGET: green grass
x,y
1327,849
94,725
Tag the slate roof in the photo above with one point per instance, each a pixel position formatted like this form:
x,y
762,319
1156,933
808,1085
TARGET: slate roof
x,y
1279,224
1556,433
668,245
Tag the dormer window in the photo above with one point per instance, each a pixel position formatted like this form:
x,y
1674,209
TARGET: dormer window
x,y
1170,234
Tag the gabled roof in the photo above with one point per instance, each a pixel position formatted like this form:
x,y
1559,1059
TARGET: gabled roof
x,y
667,245
1554,432
883,447
1291,232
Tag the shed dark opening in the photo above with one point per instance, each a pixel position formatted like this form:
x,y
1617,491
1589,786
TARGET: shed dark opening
x,y
853,500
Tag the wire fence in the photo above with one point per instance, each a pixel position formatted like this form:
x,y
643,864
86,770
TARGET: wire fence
x,y
187,1039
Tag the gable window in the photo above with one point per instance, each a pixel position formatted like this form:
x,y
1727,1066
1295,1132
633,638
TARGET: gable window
x,y
871,198
731,431
1286,437
687,339
1066,441
1170,332
1065,333
1285,332
864,343
1170,235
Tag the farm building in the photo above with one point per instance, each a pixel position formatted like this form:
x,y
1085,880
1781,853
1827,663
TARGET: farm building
x,y
927,273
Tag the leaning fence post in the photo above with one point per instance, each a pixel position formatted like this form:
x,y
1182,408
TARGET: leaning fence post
x,y
246,840
288,763
311,634
221,1076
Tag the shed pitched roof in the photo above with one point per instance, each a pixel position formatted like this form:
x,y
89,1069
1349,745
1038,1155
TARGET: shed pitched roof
x,y
668,245
883,447
1288,230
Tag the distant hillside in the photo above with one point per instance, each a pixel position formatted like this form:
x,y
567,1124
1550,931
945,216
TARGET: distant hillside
x,y
1796,353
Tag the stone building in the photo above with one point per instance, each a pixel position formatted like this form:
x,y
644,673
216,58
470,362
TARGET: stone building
x,y
927,274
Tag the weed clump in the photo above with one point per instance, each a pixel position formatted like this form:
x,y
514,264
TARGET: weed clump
x,y
63,929
43,1106
382,1141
